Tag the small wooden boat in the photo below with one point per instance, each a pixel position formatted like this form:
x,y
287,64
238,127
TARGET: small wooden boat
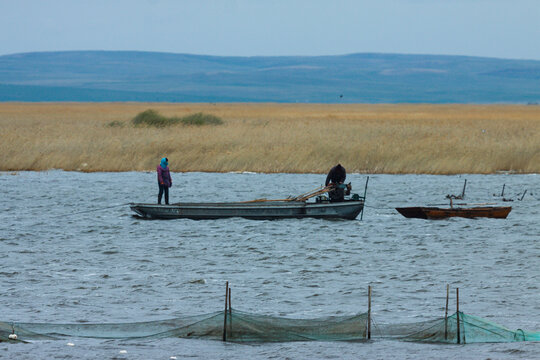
x,y
497,212
258,210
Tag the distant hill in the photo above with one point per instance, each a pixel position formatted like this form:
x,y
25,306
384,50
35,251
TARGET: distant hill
x,y
355,78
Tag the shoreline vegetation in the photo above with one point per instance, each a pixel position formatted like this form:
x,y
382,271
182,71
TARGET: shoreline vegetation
x,y
272,138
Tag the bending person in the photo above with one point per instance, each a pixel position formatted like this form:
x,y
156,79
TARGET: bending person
x,y
336,177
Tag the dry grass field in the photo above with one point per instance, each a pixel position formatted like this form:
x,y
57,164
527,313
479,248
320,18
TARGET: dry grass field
x,y
292,138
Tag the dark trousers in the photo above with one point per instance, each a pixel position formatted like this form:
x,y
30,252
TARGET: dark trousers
x,y
163,189
337,194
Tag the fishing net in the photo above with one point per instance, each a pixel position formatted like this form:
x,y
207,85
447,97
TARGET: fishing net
x,y
240,327
199,326
472,329
246,327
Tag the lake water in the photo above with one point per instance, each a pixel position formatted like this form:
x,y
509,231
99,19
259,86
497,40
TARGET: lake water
x,y
73,252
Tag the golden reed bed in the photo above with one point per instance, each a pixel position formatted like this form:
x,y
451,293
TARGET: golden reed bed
x,y
291,138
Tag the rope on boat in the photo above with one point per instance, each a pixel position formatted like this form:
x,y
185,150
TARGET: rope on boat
x,y
380,208
88,211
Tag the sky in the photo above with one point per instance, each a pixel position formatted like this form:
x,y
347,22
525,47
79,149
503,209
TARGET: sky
x,y
489,28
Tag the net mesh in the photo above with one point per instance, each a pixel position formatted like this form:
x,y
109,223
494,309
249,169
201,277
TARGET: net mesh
x,y
472,329
241,327
206,325
246,327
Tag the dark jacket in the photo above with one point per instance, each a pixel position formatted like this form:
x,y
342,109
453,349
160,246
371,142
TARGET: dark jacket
x,y
336,175
164,176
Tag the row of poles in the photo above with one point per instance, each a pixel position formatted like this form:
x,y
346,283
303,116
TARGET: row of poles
x,y
228,313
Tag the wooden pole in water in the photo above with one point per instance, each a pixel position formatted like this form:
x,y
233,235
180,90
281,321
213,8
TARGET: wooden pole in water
x,y
225,316
457,319
369,314
364,206
230,314
463,192
446,313
502,192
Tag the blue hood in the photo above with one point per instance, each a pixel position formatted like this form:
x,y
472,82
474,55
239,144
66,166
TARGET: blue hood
x,y
164,163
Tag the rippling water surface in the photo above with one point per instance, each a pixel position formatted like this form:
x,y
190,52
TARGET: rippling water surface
x,y
71,252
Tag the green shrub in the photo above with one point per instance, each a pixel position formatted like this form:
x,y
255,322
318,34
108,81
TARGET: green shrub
x,y
201,119
152,118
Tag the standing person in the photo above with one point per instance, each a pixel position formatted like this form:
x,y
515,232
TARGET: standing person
x,y
164,180
336,176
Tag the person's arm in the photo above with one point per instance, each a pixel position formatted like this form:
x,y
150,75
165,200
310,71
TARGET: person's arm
x,y
159,176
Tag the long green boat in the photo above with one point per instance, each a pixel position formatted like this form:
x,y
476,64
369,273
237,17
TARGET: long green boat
x,y
257,210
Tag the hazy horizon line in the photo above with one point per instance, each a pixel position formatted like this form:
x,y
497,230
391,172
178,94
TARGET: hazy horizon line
x,y
266,56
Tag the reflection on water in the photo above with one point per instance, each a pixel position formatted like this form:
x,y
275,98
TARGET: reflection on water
x,y
72,252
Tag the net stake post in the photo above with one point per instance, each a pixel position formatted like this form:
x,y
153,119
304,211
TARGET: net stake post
x,y
369,314
457,319
225,316
446,313
230,314
364,206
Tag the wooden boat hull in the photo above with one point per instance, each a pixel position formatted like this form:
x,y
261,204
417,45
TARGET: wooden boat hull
x,y
496,212
266,210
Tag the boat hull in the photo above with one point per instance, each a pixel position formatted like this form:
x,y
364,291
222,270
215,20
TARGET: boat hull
x,y
496,212
268,210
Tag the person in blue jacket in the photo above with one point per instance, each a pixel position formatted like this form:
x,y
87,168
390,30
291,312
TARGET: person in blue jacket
x,y
164,180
